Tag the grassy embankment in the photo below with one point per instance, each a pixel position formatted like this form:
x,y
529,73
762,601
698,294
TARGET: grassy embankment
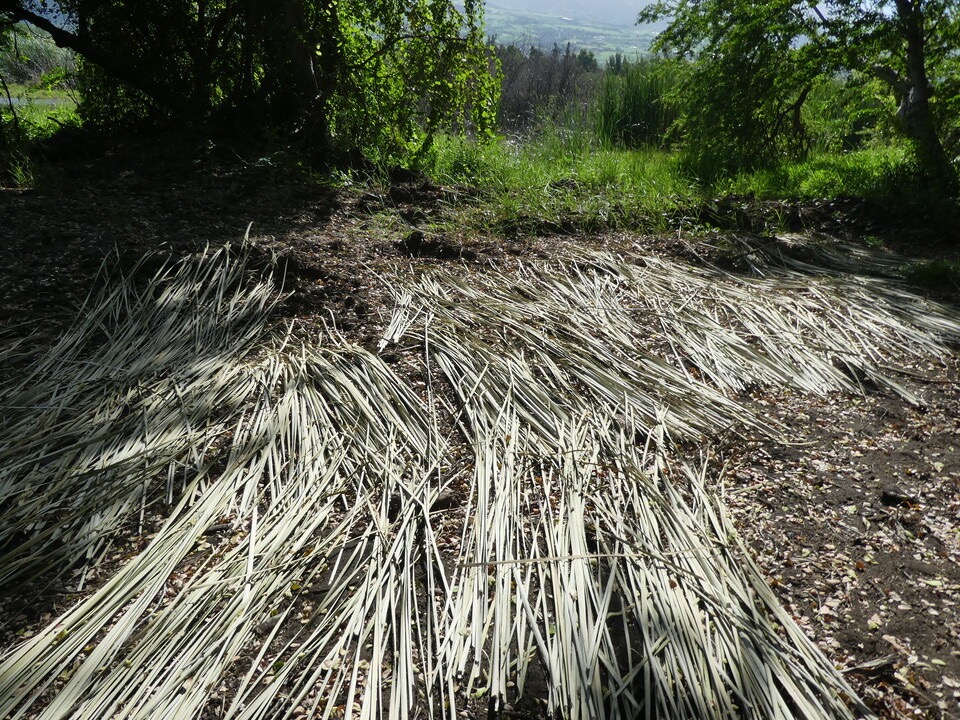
x,y
28,116
617,167
606,160
567,183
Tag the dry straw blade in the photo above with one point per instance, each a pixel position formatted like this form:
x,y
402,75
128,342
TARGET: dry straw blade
x,y
128,403
292,562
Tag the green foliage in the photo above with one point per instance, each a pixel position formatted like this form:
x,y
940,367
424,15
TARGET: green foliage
x,y
842,115
588,61
32,69
946,104
380,77
887,175
108,103
755,68
152,39
406,91
633,104
459,160
16,168
740,100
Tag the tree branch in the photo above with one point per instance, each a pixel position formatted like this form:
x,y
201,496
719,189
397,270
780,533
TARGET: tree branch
x,y
899,85
83,47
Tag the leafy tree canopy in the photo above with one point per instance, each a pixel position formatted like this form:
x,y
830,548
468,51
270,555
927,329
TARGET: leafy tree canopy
x,y
379,76
755,64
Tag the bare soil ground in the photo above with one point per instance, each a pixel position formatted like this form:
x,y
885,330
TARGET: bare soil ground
x,y
856,523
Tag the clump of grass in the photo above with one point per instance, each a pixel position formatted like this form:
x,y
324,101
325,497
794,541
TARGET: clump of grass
x,y
871,173
463,161
940,277
633,107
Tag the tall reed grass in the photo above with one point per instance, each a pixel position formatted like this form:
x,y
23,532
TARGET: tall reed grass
x,y
633,107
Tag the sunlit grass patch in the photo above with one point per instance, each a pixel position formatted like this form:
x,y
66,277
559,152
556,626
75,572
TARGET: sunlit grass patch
x,y
882,172
561,181
35,115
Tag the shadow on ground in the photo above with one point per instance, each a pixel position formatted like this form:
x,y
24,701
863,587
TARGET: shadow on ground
x,y
121,199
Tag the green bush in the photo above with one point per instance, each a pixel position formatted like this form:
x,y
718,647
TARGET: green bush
x,y
846,115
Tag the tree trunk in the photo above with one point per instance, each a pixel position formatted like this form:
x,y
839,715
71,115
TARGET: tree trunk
x,y
296,82
915,114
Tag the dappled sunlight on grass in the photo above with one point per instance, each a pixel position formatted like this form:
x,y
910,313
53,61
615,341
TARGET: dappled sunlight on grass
x,y
872,173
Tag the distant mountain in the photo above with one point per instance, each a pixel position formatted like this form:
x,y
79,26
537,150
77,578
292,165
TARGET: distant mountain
x,y
618,13
604,27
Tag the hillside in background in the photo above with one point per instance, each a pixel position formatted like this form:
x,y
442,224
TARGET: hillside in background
x,y
604,26
611,12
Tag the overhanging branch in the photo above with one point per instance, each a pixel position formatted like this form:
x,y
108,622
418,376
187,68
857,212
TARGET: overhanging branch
x,y
86,49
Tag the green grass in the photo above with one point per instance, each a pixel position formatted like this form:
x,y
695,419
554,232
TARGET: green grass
x,y
885,175
939,277
38,120
561,181
565,182
32,92
876,173
26,124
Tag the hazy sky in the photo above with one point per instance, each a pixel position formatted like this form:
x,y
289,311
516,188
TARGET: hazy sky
x,y
617,12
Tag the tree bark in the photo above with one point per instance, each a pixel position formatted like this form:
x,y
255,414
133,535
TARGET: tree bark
x,y
296,82
914,112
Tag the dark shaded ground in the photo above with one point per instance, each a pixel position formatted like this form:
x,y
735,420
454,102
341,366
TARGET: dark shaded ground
x,y
857,525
